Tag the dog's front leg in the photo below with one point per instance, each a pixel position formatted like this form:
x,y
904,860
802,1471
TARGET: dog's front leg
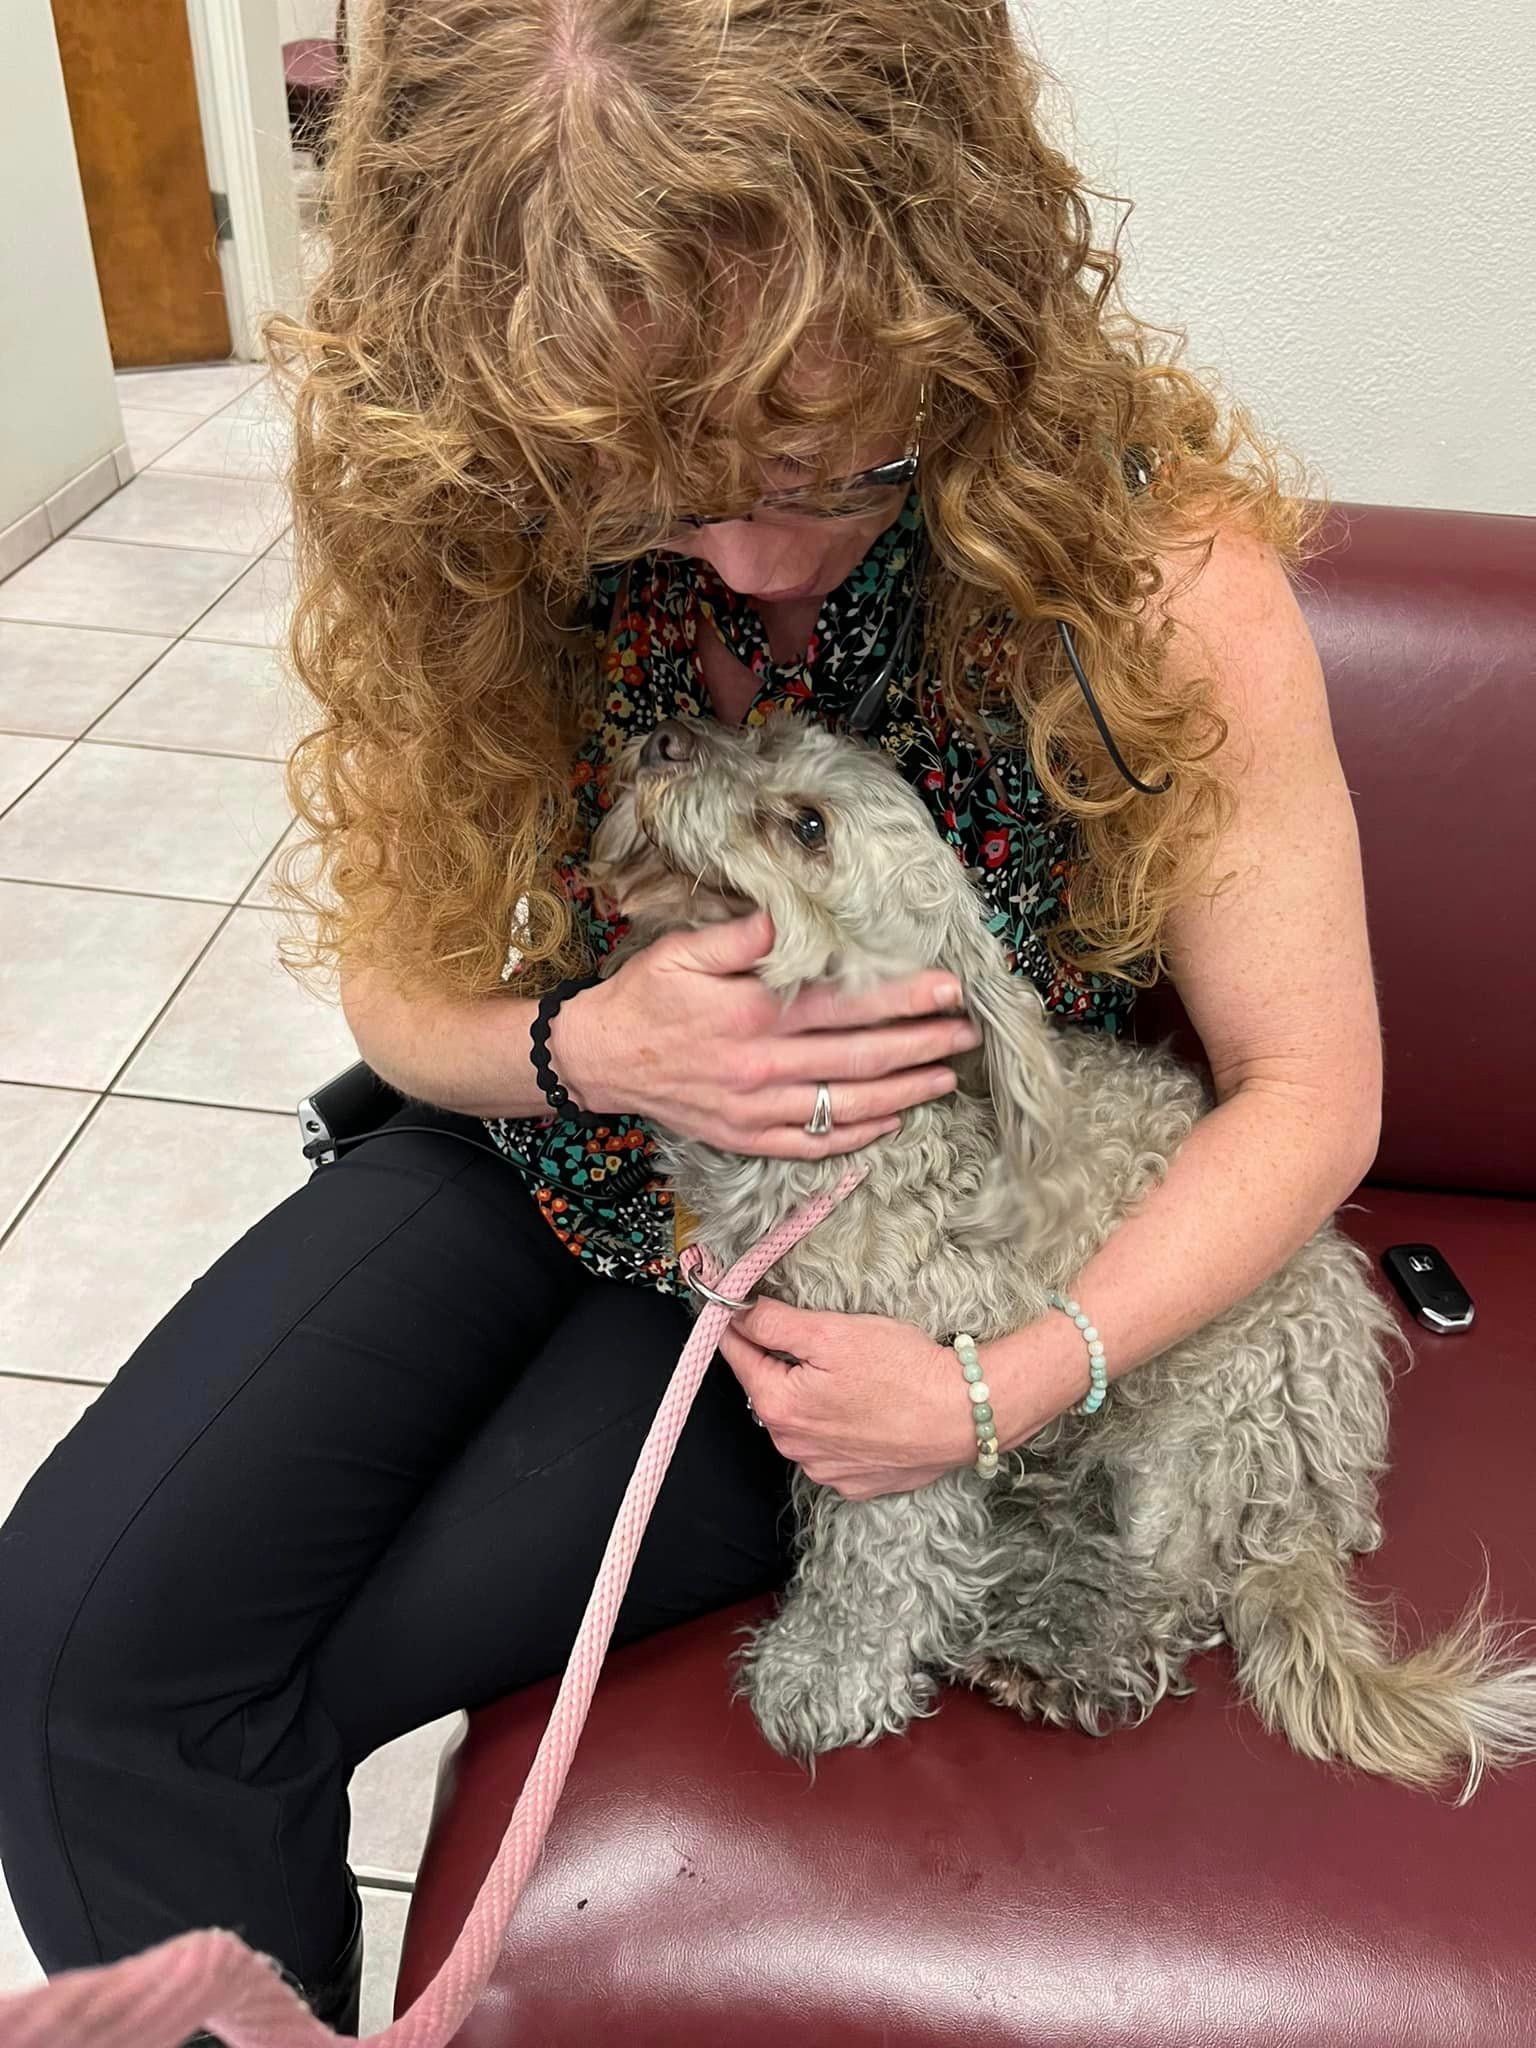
x,y
886,1593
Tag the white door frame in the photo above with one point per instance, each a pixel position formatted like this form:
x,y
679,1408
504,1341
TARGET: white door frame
x,y
238,57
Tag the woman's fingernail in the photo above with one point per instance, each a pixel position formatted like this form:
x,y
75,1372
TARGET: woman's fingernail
x,y
949,995
945,1083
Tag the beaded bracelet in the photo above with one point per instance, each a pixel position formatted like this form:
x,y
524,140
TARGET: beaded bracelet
x,y
551,1087
964,1347
1098,1371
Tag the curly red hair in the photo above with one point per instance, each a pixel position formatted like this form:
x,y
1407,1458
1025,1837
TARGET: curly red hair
x,y
574,250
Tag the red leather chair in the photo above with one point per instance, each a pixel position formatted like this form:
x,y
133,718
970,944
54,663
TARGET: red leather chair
x,y
1190,1882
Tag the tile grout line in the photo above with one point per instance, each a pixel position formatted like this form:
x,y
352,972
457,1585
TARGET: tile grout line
x,y
144,1095
169,369
132,1054
249,556
160,657
56,626
158,633
90,737
138,746
94,1111
165,412
214,602
95,1108
199,1102
152,746
213,640
107,710
58,1087
201,420
6,809
175,639
183,635
269,479
8,732
195,420
49,1379
27,788
207,420
155,895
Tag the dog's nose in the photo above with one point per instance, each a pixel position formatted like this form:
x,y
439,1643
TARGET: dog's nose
x,y
669,744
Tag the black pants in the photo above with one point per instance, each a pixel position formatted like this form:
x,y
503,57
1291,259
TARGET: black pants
x,y
361,1475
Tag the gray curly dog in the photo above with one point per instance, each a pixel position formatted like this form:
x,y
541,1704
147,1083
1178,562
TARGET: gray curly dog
x,y
1222,1490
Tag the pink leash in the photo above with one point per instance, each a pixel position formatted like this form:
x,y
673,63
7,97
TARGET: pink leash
x,y
212,1980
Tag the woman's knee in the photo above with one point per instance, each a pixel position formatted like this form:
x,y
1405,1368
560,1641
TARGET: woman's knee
x,y
83,1612
61,1696
138,1747
42,1553
134,1692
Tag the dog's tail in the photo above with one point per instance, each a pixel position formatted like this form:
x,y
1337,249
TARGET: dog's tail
x,y
1323,1674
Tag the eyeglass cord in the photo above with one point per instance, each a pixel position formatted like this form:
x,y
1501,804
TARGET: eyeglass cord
x,y
866,714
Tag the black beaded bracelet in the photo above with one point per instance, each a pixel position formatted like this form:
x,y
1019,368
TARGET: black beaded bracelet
x,y
553,1089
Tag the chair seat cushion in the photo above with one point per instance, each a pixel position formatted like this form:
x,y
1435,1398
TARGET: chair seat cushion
x,y
313,63
984,1881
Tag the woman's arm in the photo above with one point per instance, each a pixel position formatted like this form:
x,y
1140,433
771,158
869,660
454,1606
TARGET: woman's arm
x,y
1275,974
685,1033
465,1053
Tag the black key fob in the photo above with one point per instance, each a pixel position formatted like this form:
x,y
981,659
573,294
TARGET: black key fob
x,y
1429,1287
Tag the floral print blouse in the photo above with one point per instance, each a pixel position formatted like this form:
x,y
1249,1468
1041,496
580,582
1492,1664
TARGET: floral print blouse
x,y
599,1190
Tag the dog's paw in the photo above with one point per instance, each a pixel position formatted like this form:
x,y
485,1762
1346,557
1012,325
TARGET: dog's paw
x,y
1022,1692
812,1696
1068,1703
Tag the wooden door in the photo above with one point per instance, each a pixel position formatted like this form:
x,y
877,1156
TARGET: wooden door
x,y
139,139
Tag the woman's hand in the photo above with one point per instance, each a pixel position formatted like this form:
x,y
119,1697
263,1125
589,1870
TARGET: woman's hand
x,y
874,1406
686,1034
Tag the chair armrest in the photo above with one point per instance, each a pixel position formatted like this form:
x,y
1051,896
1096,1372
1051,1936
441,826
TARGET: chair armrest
x,y
347,1106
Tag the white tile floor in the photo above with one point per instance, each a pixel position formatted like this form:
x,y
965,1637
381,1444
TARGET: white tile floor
x,y
151,1048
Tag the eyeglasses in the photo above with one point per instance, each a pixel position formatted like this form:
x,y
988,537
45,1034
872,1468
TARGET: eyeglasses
x,y
843,497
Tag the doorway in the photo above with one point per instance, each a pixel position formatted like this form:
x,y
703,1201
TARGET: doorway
x,y
133,105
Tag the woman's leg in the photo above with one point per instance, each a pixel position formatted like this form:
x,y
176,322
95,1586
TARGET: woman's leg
x,y
360,1476
482,1590
169,1572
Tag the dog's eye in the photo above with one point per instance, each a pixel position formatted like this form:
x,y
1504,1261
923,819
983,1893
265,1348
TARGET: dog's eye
x,y
809,827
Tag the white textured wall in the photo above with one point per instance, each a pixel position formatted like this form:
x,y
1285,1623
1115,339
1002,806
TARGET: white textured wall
x,y
299,18
1336,198
58,404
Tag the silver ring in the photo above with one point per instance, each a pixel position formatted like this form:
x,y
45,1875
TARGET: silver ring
x,y
754,1414
820,1124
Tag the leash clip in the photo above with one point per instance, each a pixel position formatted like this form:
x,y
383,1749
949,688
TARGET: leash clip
x,y
702,1287
690,1263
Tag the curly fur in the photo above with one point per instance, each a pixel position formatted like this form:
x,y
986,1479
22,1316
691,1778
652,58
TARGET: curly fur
x,y
1222,1489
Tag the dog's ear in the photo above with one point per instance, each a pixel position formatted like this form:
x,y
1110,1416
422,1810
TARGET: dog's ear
x,y
1024,1080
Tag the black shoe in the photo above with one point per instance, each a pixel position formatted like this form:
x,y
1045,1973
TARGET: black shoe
x,y
338,1999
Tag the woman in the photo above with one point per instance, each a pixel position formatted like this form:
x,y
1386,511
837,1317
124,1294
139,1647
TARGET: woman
x,y
676,361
